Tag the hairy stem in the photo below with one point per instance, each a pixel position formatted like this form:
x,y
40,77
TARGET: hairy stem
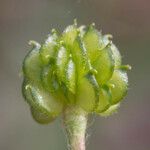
x,y
75,121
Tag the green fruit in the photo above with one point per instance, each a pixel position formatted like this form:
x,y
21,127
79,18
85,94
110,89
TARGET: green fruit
x,y
48,49
116,55
69,35
42,117
111,110
104,99
41,99
104,64
120,82
70,76
32,64
87,95
48,78
61,63
78,68
92,43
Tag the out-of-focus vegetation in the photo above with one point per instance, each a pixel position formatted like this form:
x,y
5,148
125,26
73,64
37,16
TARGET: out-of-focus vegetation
x,y
128,21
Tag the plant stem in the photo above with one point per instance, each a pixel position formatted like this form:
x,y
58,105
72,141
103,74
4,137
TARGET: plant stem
x,y
75,121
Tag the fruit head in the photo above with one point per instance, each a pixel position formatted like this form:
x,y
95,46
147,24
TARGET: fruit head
x,y
79,67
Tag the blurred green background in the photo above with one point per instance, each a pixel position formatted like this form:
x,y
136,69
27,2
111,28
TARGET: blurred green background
x,y
127,20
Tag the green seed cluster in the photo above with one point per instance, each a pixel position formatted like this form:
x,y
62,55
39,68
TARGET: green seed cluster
x,y
80,67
